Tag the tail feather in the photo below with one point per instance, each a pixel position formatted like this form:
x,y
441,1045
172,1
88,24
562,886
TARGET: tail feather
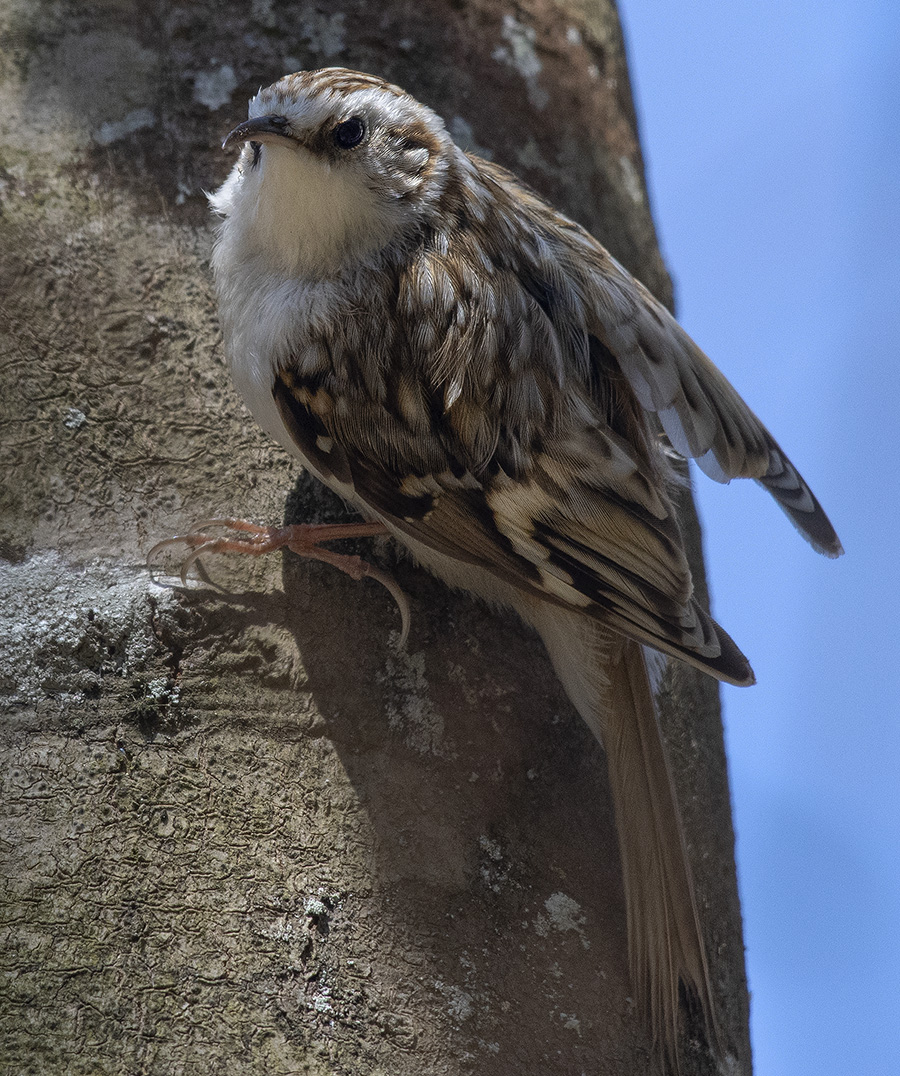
x,y
608,679
665,941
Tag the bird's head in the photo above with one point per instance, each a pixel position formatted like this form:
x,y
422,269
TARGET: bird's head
x,y
334,166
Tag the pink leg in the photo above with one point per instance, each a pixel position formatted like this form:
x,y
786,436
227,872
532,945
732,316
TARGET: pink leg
x,y
303,539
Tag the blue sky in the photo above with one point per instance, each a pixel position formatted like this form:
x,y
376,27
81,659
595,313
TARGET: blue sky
x,y
772,137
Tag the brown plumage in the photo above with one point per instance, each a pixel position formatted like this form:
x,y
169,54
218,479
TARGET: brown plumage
x,y
475,372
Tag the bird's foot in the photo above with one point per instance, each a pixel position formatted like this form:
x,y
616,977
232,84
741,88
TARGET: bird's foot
x,y
303,539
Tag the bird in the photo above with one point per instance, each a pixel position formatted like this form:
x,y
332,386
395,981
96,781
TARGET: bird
x,y
478,376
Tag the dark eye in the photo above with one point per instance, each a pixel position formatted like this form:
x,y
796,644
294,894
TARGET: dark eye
x,y
349,133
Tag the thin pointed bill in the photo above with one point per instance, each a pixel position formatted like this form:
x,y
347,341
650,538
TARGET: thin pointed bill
x,y
261,129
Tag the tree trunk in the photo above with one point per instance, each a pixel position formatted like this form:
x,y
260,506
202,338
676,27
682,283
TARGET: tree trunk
x,y
243,832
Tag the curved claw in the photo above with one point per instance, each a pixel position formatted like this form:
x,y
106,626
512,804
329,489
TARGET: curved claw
x,y
207,546
393,587
165,543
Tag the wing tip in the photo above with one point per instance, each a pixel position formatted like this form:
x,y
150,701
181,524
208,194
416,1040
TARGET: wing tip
x,y
731,665
812,524
832,549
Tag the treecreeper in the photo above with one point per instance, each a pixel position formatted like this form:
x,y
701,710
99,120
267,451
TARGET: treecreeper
x,y
480,378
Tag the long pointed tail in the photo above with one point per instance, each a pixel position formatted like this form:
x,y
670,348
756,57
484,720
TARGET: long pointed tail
x,y
607,678
665,942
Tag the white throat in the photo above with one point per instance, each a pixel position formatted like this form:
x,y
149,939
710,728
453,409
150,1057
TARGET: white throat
x,y
289,225
298,215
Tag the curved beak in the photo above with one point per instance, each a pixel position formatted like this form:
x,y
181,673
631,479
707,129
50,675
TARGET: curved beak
x,y
262,129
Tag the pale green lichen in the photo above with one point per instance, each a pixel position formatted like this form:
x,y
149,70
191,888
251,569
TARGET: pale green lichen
x,y
325,33
66,627
214,88
520,53
563,914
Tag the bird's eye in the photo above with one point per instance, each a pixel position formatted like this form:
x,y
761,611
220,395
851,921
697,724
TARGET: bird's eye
x,y
349,133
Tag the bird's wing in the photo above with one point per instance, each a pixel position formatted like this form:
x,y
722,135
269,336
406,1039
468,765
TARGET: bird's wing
x,y
535,473
702,414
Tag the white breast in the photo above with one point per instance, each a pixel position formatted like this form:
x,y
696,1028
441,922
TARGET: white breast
x,y
267,322
288,226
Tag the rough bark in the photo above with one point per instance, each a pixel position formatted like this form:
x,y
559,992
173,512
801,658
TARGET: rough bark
x,y
242,831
